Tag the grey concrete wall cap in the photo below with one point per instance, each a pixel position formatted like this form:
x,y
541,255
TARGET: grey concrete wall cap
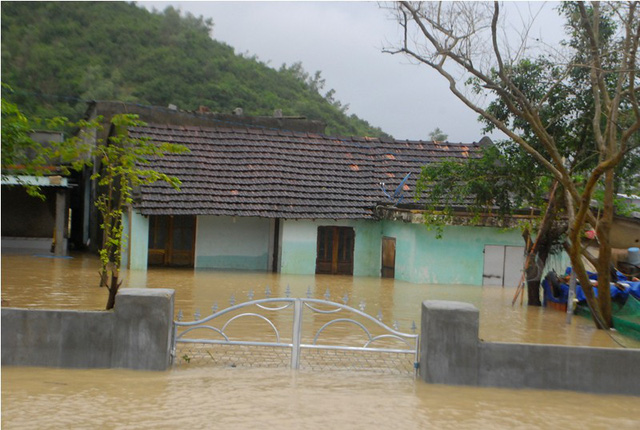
x,y
447,305
147,292
57,311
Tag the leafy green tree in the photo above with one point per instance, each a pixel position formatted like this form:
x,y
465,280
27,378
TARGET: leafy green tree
x,y
438,135
16,143
450,38
501,183
23,156
124,166
567,110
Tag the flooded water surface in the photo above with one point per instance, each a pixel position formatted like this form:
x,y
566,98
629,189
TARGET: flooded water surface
x,y
213,397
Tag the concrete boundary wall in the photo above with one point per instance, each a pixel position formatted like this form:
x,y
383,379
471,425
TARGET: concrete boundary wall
x,y
135,335
451,353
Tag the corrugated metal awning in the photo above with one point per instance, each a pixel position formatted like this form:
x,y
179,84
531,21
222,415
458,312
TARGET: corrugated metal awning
x,y
39,181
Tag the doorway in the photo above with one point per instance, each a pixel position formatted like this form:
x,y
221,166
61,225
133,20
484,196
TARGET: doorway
x,y
172,240
388,257
502,265
335,250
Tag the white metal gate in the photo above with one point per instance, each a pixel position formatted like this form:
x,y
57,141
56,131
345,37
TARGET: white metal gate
x,y
293,332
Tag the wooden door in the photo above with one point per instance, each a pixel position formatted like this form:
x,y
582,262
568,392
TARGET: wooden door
x,y
388,257
335,250
172,240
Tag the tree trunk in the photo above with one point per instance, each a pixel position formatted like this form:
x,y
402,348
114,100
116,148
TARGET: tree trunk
x,y
533,292
113,290
604,255
575,253
539,251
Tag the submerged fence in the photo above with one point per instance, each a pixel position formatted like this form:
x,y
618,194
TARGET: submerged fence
x,y
300,333
306,334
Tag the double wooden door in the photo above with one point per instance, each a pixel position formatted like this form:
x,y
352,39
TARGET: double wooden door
x,y
172,240
335,250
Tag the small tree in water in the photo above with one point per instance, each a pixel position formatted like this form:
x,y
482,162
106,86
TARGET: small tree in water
x,y
124,166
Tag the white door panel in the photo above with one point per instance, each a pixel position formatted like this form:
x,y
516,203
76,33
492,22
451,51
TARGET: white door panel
x,y
513,264
493,265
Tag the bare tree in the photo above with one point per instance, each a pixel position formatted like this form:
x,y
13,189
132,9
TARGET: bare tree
x,y
467,44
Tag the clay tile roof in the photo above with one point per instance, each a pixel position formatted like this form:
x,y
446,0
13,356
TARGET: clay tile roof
x,y
283,174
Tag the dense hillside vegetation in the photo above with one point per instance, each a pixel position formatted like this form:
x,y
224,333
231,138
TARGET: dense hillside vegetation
x,y
56,55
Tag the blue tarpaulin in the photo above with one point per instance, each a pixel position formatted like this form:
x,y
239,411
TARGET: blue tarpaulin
x,y
620,293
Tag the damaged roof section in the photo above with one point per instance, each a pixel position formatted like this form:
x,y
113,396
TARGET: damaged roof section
x,y
283,174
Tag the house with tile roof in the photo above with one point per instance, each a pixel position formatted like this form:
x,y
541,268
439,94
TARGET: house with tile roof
x,y
302,203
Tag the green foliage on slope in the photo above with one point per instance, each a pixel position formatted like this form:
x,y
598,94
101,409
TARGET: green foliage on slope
x,y
119,51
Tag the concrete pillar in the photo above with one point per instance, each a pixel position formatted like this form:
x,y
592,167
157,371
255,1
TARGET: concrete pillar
x,y
61,222
143,328
86,209
449,343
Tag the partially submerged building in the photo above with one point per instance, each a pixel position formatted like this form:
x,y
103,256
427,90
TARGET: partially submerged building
x,y
276,194
304,203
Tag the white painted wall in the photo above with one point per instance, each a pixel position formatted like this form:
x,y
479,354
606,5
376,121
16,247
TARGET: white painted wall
x,y
298,255
233,243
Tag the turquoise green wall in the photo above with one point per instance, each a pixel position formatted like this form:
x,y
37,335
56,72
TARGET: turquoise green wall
x,y
232,243
124,250
138,241
456,258
299,241
367,250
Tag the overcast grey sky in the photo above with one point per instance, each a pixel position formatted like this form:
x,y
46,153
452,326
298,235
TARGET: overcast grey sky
x,y
344,41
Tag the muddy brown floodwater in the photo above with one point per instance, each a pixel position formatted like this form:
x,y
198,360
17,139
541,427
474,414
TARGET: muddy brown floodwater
x,y
212,397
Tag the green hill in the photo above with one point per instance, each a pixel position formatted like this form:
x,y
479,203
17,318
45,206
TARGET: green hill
x,y
56,55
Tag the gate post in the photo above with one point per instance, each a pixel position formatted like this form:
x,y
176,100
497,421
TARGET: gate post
x,y
449,343
296,335
143,328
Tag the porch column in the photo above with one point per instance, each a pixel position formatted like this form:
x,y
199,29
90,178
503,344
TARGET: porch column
x,y
61,222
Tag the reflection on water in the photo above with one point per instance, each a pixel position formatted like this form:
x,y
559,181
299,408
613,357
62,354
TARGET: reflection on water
x,y
275,398
280,399
244,398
